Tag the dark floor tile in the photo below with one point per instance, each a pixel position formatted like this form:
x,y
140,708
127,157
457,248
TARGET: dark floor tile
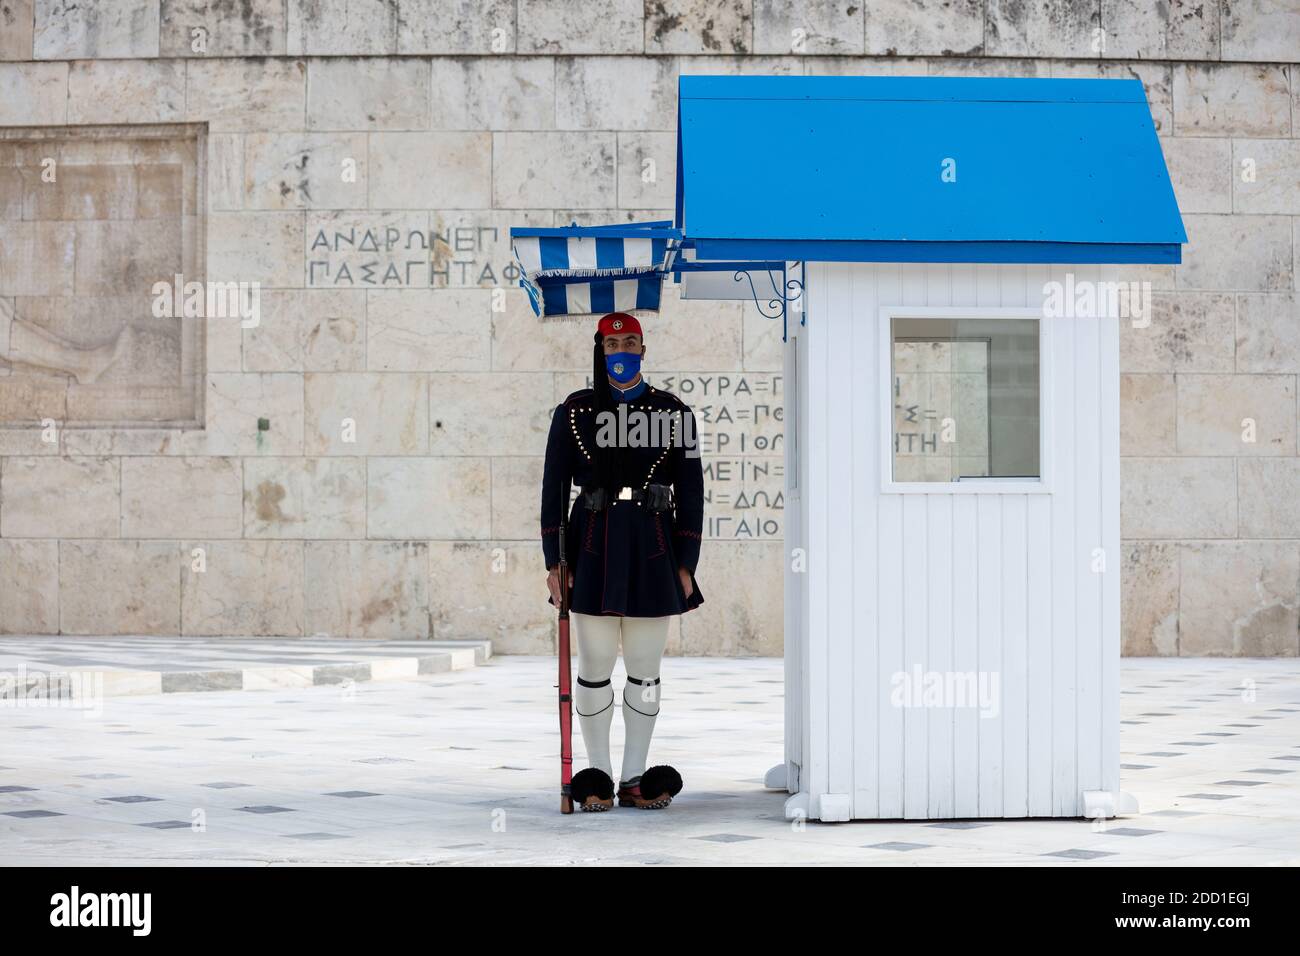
x,y
725,838
317,836
1079,854
898,845
267,808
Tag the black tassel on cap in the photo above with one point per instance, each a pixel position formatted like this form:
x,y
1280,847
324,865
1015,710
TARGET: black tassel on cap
x,y
604,460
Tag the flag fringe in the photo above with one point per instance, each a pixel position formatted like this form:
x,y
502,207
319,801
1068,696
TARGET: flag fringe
x,y
584,317
574,317
620,271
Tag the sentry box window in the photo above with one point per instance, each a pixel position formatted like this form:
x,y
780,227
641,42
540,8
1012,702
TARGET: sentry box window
x,y
965,410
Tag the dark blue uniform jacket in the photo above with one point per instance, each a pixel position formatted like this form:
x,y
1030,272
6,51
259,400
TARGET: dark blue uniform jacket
x,y
625,558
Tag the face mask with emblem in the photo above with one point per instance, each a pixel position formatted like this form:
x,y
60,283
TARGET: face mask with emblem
x,y
623,366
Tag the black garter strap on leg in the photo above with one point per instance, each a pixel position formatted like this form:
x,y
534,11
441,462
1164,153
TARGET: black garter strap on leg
x,y
588,683
647,682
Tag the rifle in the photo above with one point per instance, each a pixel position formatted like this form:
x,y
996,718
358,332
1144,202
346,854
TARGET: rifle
x,y
566,700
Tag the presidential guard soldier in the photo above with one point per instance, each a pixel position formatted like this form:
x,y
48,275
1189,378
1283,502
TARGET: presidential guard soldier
x,y
632,541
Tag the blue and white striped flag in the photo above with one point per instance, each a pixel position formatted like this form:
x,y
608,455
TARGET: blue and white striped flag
x,y
556,296
588,270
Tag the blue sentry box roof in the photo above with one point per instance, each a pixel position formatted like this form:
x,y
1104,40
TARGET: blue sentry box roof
x,y
851,168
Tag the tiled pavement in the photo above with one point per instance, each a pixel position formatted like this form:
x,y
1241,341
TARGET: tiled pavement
x,y
114,666
460,768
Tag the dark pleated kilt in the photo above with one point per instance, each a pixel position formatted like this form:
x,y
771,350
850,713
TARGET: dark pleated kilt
x,y
623,563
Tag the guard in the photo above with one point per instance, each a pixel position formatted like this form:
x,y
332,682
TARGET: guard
x,y
633,534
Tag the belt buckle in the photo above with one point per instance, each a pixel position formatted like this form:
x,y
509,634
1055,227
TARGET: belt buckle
x,y
625,493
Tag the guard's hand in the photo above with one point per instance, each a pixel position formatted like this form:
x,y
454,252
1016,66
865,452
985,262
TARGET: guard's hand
x,y
553,583
685,575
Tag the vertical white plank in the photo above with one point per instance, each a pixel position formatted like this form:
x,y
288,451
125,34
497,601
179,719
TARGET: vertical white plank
x,y
1038,612
913,278
1088,543
1015,678
1108,356
938,283
889,597
1038,657
915,633
792,522
924,284
939,587
867,685
991,663
841,636
965,654
964,284
1065,563
815,773
1013,284
988,285
890,653
986,292
959,289
1015,293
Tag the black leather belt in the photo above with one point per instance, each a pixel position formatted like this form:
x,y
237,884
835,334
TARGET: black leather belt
x,y
654,497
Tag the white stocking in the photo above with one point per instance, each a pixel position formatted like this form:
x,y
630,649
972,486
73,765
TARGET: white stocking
x,y
644,639
597,640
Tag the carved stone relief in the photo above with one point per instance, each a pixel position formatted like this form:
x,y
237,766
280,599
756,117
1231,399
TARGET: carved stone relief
x,y
91,218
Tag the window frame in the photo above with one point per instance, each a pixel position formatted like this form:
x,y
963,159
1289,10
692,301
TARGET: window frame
x,y
975,486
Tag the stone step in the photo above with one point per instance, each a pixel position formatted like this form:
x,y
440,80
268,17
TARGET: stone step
x,y
44,668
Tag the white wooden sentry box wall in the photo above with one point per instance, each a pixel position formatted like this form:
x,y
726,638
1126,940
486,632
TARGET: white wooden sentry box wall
x,y
969,578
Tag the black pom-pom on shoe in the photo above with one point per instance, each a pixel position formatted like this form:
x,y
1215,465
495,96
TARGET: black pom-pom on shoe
x,y
660,783
592,789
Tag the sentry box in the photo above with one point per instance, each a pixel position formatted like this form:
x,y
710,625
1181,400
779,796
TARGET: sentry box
x,y
947,257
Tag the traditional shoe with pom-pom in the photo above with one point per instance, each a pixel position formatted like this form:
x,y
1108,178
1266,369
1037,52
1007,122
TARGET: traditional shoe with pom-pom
x,y
653,790
592,790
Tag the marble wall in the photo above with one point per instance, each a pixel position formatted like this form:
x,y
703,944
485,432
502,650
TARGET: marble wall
x,y
370,449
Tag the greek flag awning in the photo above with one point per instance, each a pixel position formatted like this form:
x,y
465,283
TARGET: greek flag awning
x,y
587,270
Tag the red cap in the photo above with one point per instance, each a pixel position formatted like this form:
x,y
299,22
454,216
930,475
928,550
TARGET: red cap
x,y
619,323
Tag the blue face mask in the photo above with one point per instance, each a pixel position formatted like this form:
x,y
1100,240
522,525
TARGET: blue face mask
x,y
623,366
